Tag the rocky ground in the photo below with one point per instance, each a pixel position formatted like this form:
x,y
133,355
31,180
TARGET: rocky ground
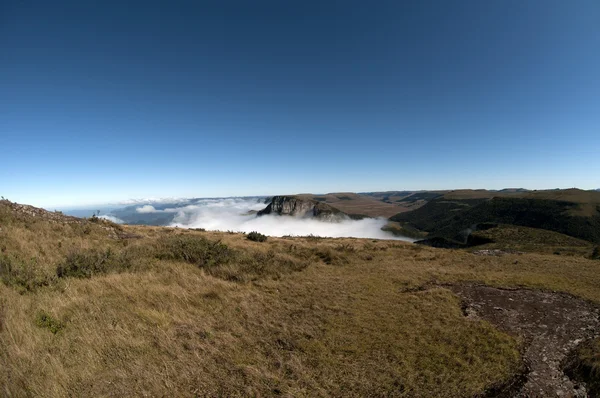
x,y
550,326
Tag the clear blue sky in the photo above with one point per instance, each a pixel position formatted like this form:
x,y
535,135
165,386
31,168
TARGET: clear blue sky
x,y
110,100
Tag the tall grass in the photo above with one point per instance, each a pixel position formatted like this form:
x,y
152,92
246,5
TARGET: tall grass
x,y
221,261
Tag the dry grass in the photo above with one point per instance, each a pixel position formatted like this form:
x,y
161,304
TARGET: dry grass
x,y
291,317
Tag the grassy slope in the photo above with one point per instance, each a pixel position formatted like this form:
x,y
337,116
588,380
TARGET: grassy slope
x,y
558,216
348,324
436,212
511,237
572,212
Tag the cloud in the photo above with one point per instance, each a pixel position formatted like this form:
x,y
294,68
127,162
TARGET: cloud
x,y
112,218
143,201
146,209
238,215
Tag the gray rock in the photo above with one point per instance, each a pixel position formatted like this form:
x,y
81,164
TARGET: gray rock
x,y
303,208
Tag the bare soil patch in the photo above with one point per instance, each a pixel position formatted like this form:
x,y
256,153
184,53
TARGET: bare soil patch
x,y
549,324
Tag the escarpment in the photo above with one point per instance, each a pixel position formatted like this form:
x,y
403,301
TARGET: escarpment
x,y
304,208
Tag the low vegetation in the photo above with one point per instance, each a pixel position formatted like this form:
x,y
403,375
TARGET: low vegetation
x,y
47,321
218,259
256,237
23,274
90,262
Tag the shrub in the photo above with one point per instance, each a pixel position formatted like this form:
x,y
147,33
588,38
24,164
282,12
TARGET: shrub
x,y
24,275
256,237
87,263
193,249
218,260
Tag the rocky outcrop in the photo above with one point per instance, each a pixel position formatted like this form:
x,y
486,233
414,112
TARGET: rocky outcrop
x,y
305,208
29,212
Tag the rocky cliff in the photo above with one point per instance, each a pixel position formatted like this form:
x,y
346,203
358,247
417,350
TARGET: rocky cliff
x,y
300,207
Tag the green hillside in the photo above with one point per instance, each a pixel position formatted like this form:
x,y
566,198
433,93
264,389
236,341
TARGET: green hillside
x,y
574,213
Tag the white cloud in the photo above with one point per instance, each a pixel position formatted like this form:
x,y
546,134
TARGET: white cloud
x,y
146,209
239,215
142,201
112,218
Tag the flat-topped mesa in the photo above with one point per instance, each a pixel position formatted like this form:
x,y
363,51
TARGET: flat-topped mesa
x,y
305,208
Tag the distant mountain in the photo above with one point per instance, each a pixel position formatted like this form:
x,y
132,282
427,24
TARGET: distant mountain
x,y
514,190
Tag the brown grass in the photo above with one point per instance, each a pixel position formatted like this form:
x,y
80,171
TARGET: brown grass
x,y
290,316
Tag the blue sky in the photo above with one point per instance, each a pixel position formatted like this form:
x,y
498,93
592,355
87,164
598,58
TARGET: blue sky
x,y
106,101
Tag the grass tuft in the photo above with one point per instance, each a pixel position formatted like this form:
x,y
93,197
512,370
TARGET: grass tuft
x,y
47,321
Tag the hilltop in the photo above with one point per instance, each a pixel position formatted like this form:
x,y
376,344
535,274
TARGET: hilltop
x,y
91,308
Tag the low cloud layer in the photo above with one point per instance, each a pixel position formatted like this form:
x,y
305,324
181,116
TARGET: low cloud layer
x,y
239,215
112,218
146,209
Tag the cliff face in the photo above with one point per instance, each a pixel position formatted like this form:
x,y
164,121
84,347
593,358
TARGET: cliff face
x,y
293,206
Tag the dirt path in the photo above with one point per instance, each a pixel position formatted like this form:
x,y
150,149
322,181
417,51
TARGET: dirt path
x,y
550,324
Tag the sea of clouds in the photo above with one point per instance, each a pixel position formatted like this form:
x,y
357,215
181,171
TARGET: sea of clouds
x,y
238,214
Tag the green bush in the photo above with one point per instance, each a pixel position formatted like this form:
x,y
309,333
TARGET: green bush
x,y
90,262
193,249
256,237
23,275
218,260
